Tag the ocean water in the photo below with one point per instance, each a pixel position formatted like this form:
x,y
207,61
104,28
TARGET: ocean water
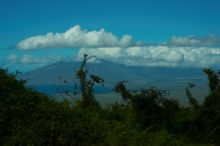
x,y
56,89
106,95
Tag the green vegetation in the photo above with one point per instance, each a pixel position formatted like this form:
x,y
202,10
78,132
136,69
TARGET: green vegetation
x,y
146,118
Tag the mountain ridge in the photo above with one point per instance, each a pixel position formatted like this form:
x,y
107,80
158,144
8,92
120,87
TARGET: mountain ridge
x,y
111,73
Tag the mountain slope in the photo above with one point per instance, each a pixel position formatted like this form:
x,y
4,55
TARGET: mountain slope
x,y
113,72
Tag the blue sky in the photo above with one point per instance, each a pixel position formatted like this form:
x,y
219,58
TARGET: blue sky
x,y
148,21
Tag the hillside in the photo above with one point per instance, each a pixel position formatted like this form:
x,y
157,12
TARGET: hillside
x,y
173,79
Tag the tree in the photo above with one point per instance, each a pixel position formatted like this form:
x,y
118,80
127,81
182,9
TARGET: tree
x,y
150,106
124,92
192,100
213,78
87,83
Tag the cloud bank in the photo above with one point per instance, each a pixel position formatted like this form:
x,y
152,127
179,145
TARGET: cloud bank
x,y
29,59
75,37
189,51
158,56
194,41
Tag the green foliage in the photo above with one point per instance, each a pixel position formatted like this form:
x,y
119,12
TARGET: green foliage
x,y
213,79
86,84
192,100
147,118
120,88
149,106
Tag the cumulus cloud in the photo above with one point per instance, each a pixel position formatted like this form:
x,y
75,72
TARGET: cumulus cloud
x,y
29,59
75,37
191,40
184,41
188,51
157,55
12,58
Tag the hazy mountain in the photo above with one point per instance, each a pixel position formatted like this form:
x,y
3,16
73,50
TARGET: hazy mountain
x,y
137,77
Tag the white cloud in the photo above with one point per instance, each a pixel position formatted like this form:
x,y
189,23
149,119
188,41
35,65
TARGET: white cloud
x,y
12,58
158,55
29,59
75,37
194,41
185,41
189,51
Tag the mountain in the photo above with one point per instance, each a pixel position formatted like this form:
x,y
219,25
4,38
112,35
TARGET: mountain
x,y
112,73
174,79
